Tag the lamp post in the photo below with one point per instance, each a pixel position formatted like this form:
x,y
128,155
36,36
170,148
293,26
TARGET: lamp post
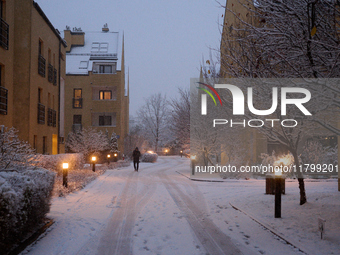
x,y
181,153
193,161
94,163
166,152
115,157
108,159
278,191
65,173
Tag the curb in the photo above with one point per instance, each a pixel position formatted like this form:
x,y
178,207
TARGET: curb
x,y
198,180
288,241
34,237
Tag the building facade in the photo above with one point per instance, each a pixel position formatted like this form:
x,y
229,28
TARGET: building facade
x,y
32,70
96,92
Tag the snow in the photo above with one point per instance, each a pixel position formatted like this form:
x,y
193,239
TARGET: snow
x,y
159,210
83,53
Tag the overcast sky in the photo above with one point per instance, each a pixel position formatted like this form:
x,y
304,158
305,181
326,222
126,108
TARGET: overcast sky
x,y
165,41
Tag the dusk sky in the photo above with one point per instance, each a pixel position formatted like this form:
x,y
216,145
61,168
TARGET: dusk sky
x,y
165,41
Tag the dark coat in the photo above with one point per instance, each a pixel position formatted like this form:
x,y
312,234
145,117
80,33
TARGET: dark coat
x,y
136,155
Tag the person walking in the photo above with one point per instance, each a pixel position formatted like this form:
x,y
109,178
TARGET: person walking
x,y
135,156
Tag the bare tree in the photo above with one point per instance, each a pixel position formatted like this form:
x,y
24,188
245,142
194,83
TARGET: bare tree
x,y
154,116
180,118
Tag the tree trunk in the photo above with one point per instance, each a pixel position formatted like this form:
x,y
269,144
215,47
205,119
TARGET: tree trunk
x,y
303,198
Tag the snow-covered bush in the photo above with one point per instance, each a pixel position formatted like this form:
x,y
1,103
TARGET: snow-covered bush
x,y
87,141
54,162
13,151
149,157
24,201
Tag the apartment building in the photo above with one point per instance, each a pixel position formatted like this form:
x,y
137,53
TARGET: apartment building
x,y
32,72
96,91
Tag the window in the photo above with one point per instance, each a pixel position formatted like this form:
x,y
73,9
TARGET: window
x,y
1,9
105,69
99,47
41,60
77,98
77,93
77,127
41,47
44,144
105,94
105,120
3,95
4,27
35,140
76,119
39,95
83,64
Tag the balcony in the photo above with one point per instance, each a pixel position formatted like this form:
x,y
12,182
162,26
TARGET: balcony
x,y
55,73
3,100
76,128
77,103
51,117
41,65
41,113
50,73
4,30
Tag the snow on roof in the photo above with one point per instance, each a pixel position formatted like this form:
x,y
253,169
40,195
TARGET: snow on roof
x,y
98,46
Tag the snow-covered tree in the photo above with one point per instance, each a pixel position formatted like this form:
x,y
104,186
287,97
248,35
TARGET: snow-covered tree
x,y
114,142
87,141
286,39
13,151
153,116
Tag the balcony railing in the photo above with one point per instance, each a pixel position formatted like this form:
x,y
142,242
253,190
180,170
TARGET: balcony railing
x,y
4,30
50,73
76,128
77,103
51,117
41,65
55,73
41,113
3,100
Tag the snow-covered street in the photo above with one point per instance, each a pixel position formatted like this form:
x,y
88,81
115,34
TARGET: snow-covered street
x,y
158,210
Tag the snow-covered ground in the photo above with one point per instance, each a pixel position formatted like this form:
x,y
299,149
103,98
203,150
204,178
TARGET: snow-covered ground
x,y
160,211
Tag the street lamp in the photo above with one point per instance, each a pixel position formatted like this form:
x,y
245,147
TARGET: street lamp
x,y
181,153
108,159
115,157
65,173
278,191
166,152
193,161
94,163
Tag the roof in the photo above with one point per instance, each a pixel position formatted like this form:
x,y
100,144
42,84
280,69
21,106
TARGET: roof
x,y
98,47
55,31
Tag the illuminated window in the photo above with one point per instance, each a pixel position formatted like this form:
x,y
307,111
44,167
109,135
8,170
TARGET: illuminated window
x,y
105,94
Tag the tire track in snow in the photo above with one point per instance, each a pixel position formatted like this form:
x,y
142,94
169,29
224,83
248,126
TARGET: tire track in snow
x,y
210,236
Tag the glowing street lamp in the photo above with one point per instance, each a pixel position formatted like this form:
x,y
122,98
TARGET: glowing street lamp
x,y
65,173
166,152
108,159
94,159
115,157
181,153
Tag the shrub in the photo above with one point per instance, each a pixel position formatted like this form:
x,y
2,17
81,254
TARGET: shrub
x,y
25,196
149,157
